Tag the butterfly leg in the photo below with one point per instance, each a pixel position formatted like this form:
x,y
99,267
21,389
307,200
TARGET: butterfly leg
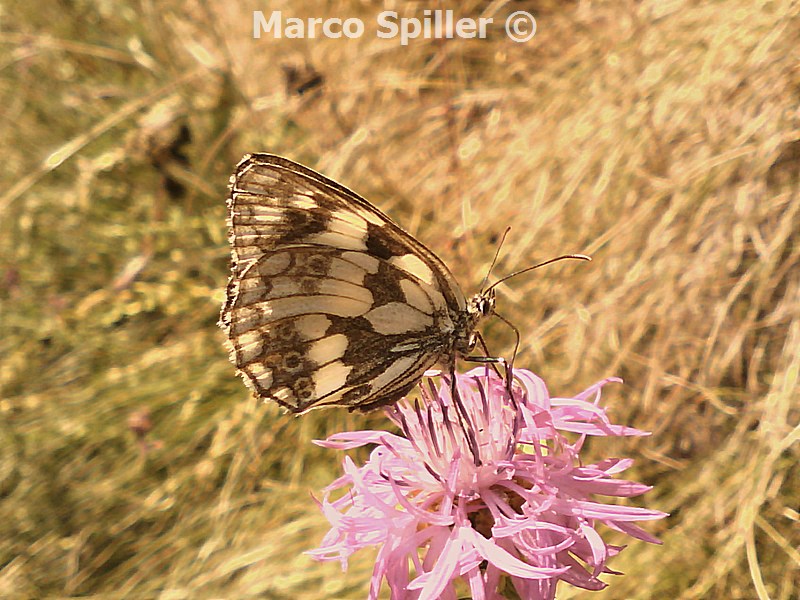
x,y
510,365
487,358
495,360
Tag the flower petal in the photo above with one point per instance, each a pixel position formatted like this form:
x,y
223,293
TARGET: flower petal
x,y
502,559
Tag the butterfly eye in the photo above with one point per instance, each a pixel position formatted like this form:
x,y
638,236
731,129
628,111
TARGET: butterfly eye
x,y
487,306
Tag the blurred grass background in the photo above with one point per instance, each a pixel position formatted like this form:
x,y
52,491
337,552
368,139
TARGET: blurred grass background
x,y
662,137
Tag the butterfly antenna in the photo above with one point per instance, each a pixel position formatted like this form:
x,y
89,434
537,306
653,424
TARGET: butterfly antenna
x,y
494,260
547,262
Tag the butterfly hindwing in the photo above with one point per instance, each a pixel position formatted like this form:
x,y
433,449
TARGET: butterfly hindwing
x,y
329,301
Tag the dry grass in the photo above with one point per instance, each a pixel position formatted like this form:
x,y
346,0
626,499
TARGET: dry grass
x,y
661,137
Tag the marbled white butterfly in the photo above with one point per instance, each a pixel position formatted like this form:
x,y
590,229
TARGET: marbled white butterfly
x,y
329,301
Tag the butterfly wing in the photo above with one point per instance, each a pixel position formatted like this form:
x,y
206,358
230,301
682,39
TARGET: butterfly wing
x,y
329,301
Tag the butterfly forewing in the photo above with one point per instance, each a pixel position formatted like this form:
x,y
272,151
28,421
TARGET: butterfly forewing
x,y
330,302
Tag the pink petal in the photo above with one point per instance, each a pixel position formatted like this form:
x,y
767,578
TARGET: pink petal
x,y
433,583
502,559
346,440
597,545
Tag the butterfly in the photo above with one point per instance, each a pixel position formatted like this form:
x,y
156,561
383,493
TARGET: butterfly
x,y
329,302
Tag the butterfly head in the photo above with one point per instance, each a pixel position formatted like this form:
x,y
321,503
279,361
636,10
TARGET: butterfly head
x,y
480,306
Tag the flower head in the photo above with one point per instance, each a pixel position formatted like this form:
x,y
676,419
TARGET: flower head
x,y
483,486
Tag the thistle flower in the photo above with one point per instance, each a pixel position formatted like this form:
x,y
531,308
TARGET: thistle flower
x,y
484,487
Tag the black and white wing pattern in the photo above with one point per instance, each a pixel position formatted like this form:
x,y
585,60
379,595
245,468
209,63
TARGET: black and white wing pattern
x,y
329,302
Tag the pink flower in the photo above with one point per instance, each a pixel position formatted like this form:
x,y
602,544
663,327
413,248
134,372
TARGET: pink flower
x,y
484,489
